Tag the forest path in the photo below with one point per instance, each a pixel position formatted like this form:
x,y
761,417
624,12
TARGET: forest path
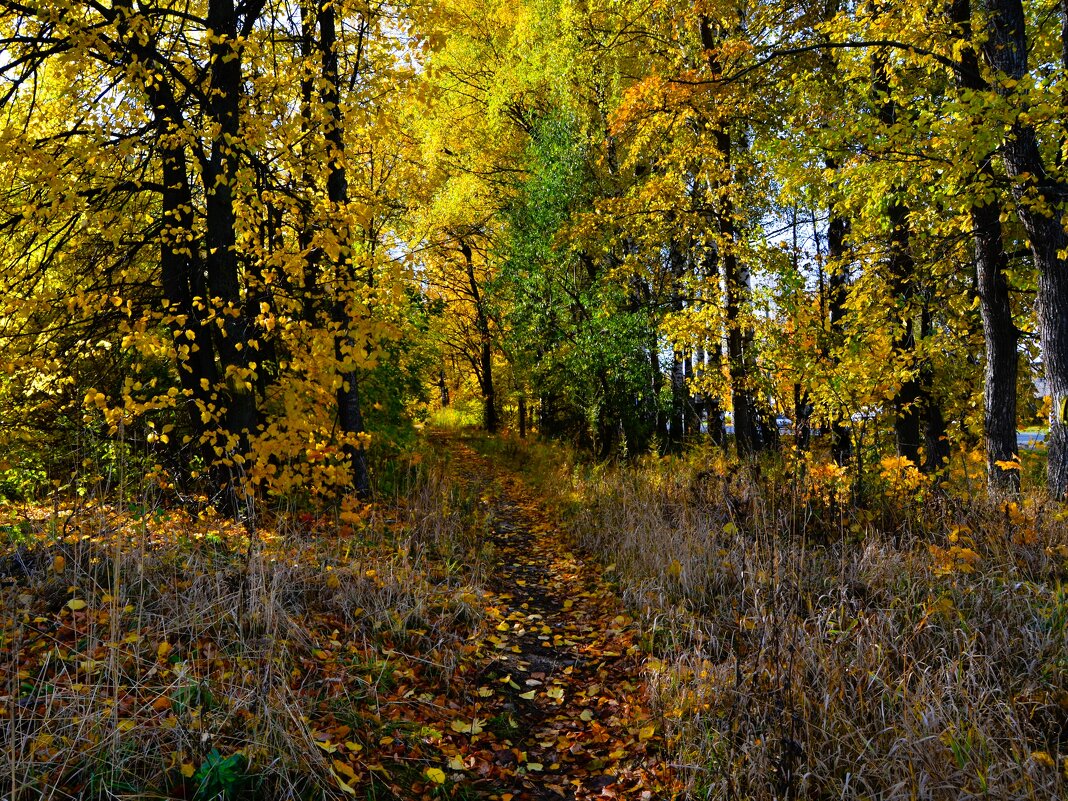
x,y
554,684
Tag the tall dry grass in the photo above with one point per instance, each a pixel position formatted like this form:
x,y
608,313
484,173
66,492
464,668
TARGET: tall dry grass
x,y
803,647
207,662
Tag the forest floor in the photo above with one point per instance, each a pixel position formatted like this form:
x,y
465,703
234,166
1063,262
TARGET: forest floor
x,y
452,646
556,683
511,623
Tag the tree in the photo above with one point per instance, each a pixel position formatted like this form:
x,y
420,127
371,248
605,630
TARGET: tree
x,y
1040,194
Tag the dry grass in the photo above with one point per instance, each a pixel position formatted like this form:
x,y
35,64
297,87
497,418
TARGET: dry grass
x,y
805,648
206,663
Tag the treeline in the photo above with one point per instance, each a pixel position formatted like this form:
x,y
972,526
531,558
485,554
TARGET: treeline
x,y
255,237
846,215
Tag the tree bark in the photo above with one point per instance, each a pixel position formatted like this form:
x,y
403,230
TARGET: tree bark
x,y
906,402
736,282
837,230
679,395
182,279
936,444
349,411
1040,206
485,356
1000,335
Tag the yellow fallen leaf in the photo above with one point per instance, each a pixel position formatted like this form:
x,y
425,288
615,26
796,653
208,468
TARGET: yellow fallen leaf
x,y
344,768
474,727
556,693
58,564
456,763
586,715
76,604
187,769
646,732
163,649
342,783
527,696
484,692
332,581
535,766
436,775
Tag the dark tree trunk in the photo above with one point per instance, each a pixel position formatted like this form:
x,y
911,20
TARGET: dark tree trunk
x,y
679,394
736,282
1000,335
717,428
802,430
713,361
739,338
349,412
1006,51
906,402
443,389
936,444
657,375
308,51
522,414
485,355
837,229
695,405
224,287
677,433
182,278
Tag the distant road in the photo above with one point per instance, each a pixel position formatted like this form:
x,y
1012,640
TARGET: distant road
x,y
1029,439
1024,439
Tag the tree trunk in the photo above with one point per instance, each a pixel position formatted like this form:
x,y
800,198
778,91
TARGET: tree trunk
x,y
936,444
485,356
349,412
802,430
224,287
906,402
713,358
679,395
308,51
739,338
443,389
182,278
736,282
837,229
1040,206
1000,335
695,404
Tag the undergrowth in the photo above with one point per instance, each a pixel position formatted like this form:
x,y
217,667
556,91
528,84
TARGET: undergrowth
x,y
147,652
803,646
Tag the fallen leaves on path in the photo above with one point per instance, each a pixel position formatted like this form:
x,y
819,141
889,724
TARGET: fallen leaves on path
x,y
555,675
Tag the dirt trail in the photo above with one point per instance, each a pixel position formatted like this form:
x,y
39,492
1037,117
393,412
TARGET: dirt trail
x,y
555,684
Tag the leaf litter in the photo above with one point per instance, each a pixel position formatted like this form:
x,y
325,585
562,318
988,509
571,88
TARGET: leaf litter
x,y
527,685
